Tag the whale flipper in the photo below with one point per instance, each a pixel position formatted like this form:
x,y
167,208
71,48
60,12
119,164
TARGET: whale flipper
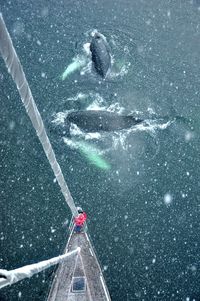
x,y
100,54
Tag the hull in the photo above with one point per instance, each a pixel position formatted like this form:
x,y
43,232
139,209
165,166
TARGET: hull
x,y
79,279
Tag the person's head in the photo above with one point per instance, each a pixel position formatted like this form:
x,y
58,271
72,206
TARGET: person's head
x,y
80,210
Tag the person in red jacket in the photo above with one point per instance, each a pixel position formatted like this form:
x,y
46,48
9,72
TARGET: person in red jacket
x,y
80,220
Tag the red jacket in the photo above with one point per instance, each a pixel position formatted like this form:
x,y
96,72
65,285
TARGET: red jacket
x,y
80,219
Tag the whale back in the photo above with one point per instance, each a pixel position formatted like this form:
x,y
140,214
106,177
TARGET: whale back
x,y
100,54
96,121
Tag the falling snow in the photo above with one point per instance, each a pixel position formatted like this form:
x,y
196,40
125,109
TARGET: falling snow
x,y
143,213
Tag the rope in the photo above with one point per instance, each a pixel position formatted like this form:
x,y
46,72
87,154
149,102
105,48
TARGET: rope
x,y
13,276
15,69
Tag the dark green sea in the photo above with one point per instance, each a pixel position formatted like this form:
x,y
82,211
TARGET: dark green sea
x,y
143,213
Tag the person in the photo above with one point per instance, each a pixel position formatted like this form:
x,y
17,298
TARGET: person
x,y
79,220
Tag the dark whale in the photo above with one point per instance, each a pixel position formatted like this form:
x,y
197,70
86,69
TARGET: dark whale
x,y
96,121
91,121
100,54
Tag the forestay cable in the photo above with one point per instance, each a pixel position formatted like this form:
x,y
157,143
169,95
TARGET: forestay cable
x,y
15,69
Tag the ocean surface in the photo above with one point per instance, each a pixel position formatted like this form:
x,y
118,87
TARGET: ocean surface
x,y
144,211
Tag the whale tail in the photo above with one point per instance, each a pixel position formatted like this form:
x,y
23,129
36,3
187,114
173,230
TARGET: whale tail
x,y
174,116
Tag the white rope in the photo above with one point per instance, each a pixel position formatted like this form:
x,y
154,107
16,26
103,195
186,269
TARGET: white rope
x,y
13,276
15,69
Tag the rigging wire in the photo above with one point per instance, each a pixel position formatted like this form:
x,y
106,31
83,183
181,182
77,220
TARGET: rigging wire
x,y
13,276
14,67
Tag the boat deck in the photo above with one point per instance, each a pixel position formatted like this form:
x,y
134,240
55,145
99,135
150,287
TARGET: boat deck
x,y
79,278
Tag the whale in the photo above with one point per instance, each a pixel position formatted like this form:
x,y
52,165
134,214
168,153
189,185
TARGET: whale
x,y
96,121
91,121
100,52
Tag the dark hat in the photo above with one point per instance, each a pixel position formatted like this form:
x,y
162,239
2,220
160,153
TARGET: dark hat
x,y
80,210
